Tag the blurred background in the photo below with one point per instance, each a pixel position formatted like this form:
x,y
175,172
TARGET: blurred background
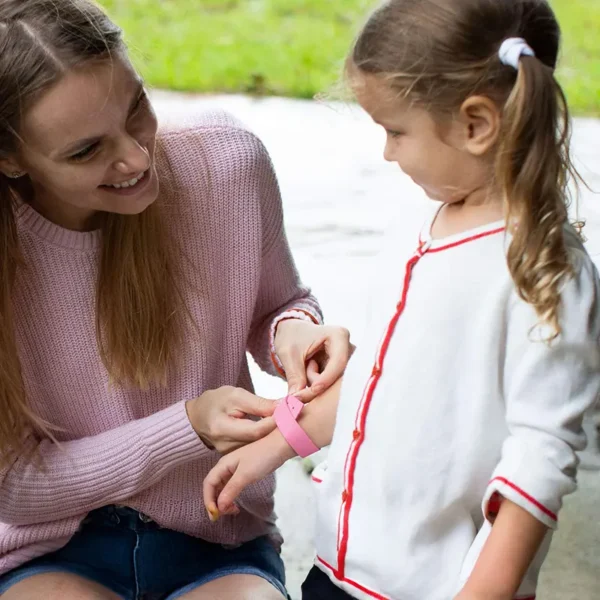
x,y
294,48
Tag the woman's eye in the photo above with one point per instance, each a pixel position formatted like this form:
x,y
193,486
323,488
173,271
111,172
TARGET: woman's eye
x,y
85,153
394,134
140,102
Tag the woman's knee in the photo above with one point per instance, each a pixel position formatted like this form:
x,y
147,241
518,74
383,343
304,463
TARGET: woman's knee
x,y
58,586
235,587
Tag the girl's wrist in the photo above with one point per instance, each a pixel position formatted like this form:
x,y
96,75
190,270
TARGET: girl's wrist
x,y
279,446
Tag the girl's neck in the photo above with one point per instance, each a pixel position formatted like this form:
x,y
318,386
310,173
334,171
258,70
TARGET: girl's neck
x,y
475,211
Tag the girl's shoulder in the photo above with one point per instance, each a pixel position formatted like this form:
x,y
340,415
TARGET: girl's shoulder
x,y
578,254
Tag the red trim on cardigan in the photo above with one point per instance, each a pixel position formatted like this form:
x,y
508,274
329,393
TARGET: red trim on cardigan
x,y
379,596
367,397
525,495
362,588
316,479
469,239
361,416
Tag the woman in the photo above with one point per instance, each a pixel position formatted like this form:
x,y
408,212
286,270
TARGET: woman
x,y
136,270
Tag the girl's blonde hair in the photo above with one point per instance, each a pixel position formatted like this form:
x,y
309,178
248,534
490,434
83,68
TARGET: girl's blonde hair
x,y
437,53
138,302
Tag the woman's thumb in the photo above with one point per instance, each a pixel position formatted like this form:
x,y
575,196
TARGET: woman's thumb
x,y
295,374
254,405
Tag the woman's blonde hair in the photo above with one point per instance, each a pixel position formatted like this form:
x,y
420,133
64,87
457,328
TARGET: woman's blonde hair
x,y
138,302
437,53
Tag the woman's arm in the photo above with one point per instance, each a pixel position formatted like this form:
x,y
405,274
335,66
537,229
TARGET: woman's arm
x,y
81,475
252,463
287,328
77,476
280,290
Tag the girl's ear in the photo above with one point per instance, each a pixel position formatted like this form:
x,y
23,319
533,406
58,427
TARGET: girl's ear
x,y
480,118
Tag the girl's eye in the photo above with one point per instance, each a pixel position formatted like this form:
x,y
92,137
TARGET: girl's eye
x,y
85,153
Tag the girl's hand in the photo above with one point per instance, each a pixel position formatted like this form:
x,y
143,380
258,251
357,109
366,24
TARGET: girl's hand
x,y
234,472
220,418
311,355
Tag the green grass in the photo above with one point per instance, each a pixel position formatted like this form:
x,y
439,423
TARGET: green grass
x,y
295,47
579,70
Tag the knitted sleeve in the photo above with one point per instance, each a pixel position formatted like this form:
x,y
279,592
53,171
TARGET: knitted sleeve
x,y
280,287
82,475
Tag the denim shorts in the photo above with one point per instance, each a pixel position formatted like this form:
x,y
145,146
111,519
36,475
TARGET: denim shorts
x,y
130,554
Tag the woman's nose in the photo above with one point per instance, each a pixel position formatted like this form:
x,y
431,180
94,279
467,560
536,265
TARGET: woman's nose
x,y
133,158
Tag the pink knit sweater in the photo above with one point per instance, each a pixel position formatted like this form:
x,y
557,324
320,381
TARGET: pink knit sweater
x,y
132,447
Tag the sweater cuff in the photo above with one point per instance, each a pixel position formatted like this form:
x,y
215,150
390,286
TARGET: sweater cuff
x,y
171,439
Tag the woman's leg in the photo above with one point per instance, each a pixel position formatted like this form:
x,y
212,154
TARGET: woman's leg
x,y
235,587
58,586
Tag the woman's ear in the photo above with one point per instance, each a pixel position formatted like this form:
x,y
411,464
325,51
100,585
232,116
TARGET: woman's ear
x,y
11,168
480,118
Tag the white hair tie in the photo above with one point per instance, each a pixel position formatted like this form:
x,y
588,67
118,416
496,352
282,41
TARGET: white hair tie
x,y
511,51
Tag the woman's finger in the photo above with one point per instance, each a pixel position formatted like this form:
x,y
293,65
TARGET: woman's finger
x,y
338,353
246,430
251,404
312,371
312,375
292,360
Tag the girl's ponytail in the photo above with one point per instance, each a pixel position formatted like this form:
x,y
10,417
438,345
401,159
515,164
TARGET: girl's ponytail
x,y
532,172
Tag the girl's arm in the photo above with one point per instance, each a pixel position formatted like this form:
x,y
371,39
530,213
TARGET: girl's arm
x,y
249,464
548,386
515,538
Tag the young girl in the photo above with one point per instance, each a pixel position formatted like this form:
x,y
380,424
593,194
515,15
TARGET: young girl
x,y
460,413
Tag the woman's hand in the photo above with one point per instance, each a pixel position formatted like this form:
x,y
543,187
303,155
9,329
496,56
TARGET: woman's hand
x,y
221,418
234,472
311,355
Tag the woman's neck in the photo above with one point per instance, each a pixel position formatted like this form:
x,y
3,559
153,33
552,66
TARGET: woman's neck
x,y
54,210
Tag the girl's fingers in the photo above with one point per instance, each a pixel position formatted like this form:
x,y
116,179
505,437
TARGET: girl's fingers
x,y
213,484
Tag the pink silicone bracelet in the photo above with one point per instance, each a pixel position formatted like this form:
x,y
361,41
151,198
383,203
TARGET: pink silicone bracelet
x,y
286,415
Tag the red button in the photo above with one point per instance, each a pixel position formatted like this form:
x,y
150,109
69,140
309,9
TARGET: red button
x,y
376,371
356,434
344,496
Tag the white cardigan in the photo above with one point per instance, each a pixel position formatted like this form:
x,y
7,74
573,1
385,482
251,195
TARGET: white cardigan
x,y
459,402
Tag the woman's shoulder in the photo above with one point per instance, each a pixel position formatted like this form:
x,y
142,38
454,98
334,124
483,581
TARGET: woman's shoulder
x,y
210,148
216,136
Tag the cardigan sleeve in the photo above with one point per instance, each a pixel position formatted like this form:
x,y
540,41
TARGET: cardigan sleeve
x,y
548,388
